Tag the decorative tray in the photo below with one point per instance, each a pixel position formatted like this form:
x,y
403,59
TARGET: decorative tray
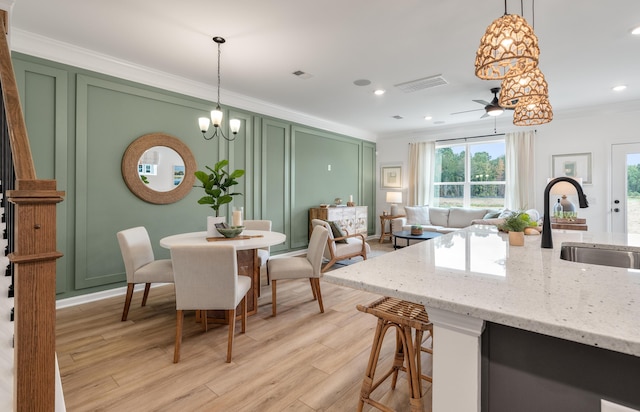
x,y
239,237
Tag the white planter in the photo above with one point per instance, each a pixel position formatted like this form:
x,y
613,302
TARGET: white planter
x,y
211,225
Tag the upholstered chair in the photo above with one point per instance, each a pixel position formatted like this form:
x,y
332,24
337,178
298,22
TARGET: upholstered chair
x,y
342,246
301,267
206,278
140,264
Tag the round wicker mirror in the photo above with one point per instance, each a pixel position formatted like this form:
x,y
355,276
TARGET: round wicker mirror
x,y
142,162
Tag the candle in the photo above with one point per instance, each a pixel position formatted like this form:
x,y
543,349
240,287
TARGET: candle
x,y
237,217
350,198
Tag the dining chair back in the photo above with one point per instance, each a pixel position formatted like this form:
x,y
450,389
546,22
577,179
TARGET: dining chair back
x,y
299,267
206,278
140,264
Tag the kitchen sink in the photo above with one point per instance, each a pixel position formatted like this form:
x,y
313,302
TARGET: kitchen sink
x,y
599,255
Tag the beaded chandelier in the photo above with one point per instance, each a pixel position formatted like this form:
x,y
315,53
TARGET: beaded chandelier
x,y
527,87
529,114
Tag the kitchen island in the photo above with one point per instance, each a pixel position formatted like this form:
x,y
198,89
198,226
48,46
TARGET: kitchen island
x,y
472,277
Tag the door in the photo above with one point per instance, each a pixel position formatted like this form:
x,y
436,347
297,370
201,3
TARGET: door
x,y
625,188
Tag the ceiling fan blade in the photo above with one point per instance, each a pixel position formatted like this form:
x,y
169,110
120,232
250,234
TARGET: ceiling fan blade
x,y
482,102
484,115
467,111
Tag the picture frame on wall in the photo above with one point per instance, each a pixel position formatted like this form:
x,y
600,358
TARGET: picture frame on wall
x,y
576,165
391,177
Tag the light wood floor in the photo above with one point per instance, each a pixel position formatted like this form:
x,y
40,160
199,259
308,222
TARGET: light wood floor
x,y
301,360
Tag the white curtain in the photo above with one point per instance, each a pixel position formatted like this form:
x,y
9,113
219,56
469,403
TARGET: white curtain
x,y
421,159
519,170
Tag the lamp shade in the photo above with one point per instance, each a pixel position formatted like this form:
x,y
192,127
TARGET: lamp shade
x,y
394,197
564,188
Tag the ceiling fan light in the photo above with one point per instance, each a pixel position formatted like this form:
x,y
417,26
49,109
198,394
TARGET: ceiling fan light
x,y
526,87
509,43
531,114
495,111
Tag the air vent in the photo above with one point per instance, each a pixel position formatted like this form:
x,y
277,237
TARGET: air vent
x,y
302,75
420,84
397,117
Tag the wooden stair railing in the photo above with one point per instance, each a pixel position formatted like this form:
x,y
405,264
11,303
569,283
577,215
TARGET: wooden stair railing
x,y
34,256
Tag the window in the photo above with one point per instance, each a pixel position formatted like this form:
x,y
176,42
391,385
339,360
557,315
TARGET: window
x,y
470,175
147,169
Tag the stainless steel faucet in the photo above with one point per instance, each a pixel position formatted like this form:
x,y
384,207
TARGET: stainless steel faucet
x,y
547,241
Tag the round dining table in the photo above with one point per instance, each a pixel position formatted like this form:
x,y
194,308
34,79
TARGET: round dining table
x,y
247,245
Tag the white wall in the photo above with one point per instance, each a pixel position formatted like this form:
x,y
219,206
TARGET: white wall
x,y
592,131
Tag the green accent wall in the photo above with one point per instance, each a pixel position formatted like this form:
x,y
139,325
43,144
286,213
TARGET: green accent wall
x,y
80,123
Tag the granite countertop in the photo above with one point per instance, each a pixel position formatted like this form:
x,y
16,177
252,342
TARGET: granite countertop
x,y
475,272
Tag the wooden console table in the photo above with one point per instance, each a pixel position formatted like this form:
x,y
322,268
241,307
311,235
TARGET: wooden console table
x,y
566,224
383,226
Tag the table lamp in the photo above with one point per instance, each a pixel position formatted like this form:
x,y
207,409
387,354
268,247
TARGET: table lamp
x,y
563,189
394,198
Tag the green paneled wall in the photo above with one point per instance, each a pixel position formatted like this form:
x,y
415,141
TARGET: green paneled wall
x,y
81,122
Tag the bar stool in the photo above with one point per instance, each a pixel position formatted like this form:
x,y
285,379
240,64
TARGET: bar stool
x,y
405,317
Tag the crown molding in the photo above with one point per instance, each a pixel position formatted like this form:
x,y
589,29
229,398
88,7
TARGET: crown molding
x,y
65,53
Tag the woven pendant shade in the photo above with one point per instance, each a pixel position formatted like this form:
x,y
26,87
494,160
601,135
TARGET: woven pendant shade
x,y
509,43
528,87
533,113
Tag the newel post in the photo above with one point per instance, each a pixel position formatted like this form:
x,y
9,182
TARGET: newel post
x,y
34,259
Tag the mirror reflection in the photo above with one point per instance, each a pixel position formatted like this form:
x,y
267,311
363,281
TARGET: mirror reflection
x,y
161,168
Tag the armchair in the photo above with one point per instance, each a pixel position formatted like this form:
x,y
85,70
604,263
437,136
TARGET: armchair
x,y
342,247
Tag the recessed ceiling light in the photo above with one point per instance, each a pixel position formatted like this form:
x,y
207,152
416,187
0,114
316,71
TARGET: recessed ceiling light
x,y
636,31
378,92
619,88
428,117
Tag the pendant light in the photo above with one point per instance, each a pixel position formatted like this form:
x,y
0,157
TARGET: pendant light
x,y
529,114
509,43
527,87
216,115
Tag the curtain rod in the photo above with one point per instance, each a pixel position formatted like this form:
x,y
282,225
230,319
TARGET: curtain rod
x,y
472,137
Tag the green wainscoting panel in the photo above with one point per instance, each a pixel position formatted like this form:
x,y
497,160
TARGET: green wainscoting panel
x,y
241,154
276,172
313,183
110,116
44,96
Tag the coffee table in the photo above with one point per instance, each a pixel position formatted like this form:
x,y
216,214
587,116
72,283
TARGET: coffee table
x,y
406,234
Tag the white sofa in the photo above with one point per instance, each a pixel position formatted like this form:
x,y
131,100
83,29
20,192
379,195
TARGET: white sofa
x,y
446,220
440,219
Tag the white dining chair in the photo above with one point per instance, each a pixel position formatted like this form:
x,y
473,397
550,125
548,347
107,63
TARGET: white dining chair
x,y
206,278
301,267
140,264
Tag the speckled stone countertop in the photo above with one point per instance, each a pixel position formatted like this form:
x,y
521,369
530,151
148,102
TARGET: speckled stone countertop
x,y
475,272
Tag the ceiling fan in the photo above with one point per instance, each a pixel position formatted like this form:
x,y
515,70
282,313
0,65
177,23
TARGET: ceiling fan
x,y
492,108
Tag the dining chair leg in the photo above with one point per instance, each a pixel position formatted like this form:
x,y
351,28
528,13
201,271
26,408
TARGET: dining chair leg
x,y
176,350
147,286
243,307
232,324
205,324
273,297
127,301
313,289
316,281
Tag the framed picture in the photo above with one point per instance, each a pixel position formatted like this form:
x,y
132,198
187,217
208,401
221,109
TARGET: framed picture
x,y
572,165
391,177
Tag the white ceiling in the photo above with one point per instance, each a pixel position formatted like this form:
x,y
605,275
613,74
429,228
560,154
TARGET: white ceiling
x,y
586,48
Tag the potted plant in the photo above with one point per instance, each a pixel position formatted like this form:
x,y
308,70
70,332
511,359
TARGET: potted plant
x,y
515,224
416,230
217,185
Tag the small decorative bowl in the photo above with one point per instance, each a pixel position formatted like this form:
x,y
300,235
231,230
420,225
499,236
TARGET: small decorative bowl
x,y
231,231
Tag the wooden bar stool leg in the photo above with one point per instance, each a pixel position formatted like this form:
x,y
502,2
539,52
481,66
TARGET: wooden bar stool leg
x,y
398,360
367,382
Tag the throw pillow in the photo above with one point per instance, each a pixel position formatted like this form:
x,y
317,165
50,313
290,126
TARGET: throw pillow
x,y
492,214
336,231
417,215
